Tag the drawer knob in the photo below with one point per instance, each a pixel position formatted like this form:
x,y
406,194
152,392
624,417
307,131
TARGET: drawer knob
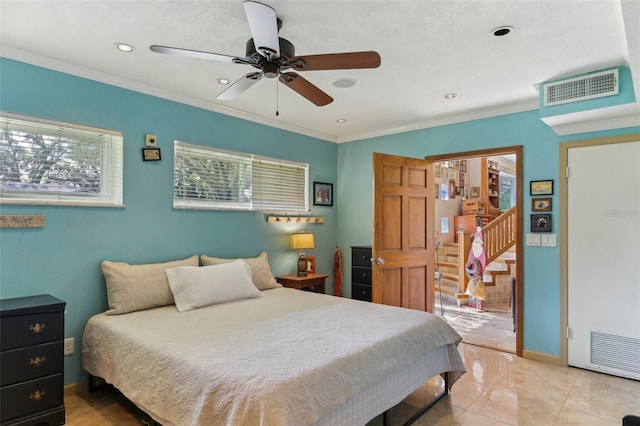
x,y
37,361
37,395
37,328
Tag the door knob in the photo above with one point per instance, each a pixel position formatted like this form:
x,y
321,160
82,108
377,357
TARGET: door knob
x,y
379,261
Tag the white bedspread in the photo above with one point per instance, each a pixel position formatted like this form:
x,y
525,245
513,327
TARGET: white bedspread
x,y
284,359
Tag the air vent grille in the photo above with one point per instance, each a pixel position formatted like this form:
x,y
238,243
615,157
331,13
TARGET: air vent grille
x,y
595,85
620,352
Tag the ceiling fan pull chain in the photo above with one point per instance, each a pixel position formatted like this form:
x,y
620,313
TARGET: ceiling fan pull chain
x,y
277,96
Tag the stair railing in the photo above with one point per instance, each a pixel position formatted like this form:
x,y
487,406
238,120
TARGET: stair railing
x,y
500,234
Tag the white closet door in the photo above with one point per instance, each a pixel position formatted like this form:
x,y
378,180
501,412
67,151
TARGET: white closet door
x,y
604,258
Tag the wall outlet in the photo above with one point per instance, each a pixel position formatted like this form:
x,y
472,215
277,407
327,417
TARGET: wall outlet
x,y
68,345
151,140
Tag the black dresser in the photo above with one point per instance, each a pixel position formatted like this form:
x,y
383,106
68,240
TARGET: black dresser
x,y
361,273
32,361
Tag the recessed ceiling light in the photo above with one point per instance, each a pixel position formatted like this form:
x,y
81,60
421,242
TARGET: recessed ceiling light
x,y
341,120
344,83
450,95
124,47
502,31
223,81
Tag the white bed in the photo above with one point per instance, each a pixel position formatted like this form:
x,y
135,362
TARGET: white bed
x,y
288,358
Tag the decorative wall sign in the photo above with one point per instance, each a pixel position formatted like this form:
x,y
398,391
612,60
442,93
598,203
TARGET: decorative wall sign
x,y
21,221
151,154
295,219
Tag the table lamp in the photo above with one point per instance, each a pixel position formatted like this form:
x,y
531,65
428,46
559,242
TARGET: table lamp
x,y
300,242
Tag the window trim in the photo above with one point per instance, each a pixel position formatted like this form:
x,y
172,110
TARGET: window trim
x,y
112,163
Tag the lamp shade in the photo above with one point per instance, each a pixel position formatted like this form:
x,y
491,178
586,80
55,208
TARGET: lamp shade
x,y
302,241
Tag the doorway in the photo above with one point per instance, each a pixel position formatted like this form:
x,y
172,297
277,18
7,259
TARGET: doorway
x,y
497,326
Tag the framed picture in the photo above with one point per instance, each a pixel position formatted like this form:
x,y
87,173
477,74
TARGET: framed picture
x,y
311,264
540,223
475,192
151,154
452,189
322,194
541,204
541,187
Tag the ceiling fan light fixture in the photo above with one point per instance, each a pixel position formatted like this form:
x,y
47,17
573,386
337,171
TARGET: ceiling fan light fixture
x,y
124,47
502,31
344,83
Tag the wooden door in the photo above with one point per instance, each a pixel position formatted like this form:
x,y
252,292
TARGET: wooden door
x,y
403,253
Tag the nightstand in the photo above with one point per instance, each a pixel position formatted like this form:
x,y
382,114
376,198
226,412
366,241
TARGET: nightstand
x,y
312,281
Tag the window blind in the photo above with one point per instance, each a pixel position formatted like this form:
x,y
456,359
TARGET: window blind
x,y
279,186
47,162
209,178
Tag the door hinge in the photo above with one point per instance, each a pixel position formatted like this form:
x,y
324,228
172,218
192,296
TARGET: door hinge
x,y
569,334
566,172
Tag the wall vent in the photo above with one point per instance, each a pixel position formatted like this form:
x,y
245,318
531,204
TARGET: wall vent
x,y
613,351
590,86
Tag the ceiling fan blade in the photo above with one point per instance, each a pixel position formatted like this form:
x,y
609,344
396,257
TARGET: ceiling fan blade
x,y
237,88
336,61
192,53
305,88
263,23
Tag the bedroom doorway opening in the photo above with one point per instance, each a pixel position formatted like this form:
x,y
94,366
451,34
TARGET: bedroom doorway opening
x,y
483,187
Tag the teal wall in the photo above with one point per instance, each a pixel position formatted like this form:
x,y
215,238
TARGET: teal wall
x,y
540,161
63,258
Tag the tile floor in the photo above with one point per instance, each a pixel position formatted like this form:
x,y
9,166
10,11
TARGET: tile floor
x,y
492,327
498,389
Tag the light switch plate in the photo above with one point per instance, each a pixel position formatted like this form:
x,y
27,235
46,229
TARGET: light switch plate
x,y
548,240
533,239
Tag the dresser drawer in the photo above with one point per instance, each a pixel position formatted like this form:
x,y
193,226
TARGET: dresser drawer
x,y
27,330
361,256
360,275
32,362
32,396
53,417
361,292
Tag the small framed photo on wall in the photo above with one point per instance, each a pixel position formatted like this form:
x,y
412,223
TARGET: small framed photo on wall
x,y
322,194
541,204
541,187
540,223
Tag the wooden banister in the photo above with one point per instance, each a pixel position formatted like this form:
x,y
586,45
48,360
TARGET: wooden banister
x,y
500,234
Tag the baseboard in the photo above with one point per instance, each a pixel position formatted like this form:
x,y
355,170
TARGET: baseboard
x,y
76,388
542,357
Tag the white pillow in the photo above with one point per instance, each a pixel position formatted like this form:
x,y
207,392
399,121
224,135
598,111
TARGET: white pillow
x,y
260,270
197,286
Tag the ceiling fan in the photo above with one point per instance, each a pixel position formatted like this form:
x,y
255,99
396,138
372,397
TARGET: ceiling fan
x,y
275,57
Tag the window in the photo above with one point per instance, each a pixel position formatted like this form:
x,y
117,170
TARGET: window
x,y
44,162
209,178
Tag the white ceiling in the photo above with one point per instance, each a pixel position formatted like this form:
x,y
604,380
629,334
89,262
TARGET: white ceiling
x,y
428,48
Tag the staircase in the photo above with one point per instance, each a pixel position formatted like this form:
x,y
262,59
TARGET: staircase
x,y
499,242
